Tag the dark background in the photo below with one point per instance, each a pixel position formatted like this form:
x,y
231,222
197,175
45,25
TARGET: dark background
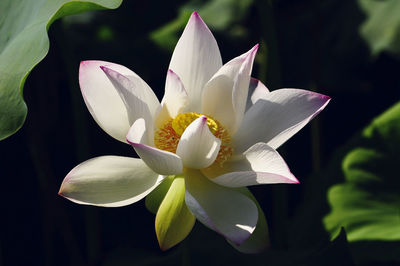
x,y
313,45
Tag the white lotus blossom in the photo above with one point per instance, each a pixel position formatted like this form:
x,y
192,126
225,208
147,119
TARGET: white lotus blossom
x,y
215,130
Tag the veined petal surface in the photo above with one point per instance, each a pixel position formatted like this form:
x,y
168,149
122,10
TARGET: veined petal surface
x,y
277,117
109,181
224,210
195,59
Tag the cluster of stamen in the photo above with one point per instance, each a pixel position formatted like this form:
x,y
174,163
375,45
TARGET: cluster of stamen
x,y
167,137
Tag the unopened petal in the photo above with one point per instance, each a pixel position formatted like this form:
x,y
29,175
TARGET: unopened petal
x,y
101,98
278,117
223,210
196,58
260,164
174,221
154,199
225,95
160,161
198,147
109,181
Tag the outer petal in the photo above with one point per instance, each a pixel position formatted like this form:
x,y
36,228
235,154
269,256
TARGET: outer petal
x,y
162,162
195,59
139,99
278,117
198,147
226,211
224,96
101,98
174,221
257,91
259,239
260,164
109,181
174,100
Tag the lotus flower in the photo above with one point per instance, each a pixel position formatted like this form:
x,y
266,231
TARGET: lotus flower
x,y
215,132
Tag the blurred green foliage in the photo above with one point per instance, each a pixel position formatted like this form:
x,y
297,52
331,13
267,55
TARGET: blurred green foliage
x,y
367,204
382,26
221,15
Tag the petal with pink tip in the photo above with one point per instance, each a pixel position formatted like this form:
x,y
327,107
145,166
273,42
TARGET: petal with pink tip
x,y
196,58
198,147
101,98
278,117
223,210
109,181
260,164
224,96
139,99
174,100
161,162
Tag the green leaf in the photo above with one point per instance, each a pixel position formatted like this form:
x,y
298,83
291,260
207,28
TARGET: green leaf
x,y
24,43
367,205
381,29
174,221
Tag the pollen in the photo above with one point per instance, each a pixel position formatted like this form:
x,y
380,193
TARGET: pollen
x,y
167,137
182,121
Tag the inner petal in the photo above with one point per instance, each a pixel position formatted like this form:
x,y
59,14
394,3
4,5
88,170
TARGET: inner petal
x,y
167,137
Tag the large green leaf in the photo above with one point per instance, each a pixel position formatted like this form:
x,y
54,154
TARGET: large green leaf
x,y
367,204
381,29
24,43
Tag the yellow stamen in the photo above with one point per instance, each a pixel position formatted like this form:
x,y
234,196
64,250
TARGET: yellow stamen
x,y
167,137
182,121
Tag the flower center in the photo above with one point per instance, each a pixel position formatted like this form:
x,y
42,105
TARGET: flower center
x,y
167,137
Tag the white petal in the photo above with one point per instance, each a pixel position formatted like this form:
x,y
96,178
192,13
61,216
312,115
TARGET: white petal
x,y
162,162
278,117
224,96
226,211
257,90
260,164
198,147
101,98
109,181
174,100
259,239
139,99
195,59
